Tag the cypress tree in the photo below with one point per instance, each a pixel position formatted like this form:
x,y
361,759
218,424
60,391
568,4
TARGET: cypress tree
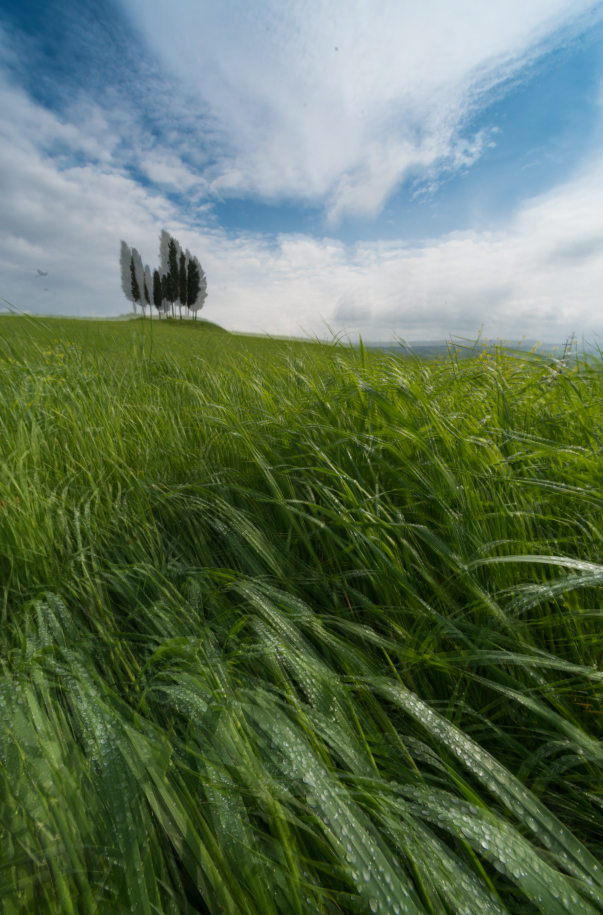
x,y
164,289
134,281
193,285
181,277
157,293
164,243
183,282
125,259
172,292
148,282
139,271
197,292
173,272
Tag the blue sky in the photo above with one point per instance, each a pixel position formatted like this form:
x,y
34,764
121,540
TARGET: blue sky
x,y
381,166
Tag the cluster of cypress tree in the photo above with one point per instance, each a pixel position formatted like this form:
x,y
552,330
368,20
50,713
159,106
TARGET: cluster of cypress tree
x,y
180,278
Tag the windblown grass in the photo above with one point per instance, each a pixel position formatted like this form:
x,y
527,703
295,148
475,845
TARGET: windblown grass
x,y
294,629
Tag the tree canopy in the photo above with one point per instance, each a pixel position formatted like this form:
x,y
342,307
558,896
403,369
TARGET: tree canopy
x,y
178,278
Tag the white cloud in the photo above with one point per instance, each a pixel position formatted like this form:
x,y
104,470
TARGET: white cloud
x,y
541,275
62,218
300,118
168,171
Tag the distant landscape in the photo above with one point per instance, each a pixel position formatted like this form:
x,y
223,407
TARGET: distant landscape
x,y
396,345
297,627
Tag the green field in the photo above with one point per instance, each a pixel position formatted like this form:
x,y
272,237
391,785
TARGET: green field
x,y
295,628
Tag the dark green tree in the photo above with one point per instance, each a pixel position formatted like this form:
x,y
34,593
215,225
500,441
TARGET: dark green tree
x,y
173,286
164,288
193,284
157,293
183,285
124,266
135,286
148,288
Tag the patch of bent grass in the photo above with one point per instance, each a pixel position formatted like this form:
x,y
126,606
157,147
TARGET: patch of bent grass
x,y
291,628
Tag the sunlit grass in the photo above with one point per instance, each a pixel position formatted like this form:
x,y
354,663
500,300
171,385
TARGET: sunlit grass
x,y
294,628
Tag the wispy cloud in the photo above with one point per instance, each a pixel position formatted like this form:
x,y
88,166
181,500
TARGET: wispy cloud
x,y
339,102
76,178
540,275
62,212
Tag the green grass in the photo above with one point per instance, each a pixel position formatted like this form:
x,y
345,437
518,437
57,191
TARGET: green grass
x,y
290,628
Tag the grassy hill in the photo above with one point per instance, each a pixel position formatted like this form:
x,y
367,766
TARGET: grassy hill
x,y
294,628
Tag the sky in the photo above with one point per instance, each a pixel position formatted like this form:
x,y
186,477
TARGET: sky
x,y
383,167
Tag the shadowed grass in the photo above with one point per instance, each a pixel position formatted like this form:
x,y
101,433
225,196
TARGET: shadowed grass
x,y
293,628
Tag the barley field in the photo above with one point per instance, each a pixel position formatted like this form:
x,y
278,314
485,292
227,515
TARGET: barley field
x,y
296,628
